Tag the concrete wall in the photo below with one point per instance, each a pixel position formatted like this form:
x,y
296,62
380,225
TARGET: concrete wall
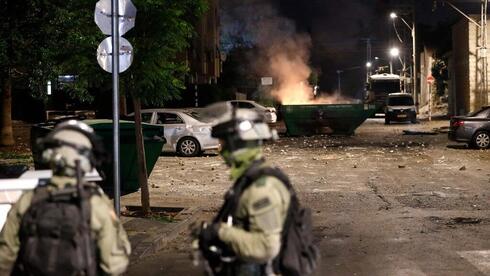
x,y
469,68
426,60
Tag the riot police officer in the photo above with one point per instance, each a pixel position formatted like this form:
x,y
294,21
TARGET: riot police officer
x,y
66,227
245,237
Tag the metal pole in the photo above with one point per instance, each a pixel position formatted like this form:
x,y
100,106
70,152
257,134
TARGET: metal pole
x,y
338,80
414,65
430,101
115,102
196,96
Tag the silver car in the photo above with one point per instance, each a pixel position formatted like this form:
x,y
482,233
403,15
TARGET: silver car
x,y
269,113
185,131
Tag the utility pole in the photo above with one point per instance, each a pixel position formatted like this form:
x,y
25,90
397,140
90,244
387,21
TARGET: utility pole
x,y
338,80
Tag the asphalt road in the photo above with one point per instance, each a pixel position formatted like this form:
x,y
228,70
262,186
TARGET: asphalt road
x,y
384,203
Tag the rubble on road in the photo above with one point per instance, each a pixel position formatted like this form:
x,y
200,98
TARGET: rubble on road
x,y
419,132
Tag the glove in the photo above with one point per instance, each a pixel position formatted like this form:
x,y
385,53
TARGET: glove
x,y
208,235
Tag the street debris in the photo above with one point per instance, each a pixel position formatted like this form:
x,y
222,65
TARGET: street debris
x,y
462,168
419,132
401,166
463,220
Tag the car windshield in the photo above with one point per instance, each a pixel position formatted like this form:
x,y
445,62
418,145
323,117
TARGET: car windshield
x,y
198,116
482,113
400,101
385,86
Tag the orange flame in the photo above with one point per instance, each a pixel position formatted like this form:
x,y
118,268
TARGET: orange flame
x,y
288,65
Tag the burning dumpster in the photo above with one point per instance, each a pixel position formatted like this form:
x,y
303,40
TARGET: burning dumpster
x,y
310,119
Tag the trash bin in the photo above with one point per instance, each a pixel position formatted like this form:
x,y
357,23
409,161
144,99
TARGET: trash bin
x,y
342,119
153,139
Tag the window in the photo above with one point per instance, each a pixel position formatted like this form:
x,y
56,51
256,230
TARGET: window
x,y
401,101
484,113
245,105
146,117
168,118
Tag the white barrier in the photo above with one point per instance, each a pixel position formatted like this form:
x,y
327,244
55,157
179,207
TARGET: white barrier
x,y
11,189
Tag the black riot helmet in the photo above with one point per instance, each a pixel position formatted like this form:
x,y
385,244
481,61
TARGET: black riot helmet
x,y
68,142
239,128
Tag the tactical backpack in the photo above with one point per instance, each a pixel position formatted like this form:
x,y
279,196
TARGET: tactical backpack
x,y
55,234
298,255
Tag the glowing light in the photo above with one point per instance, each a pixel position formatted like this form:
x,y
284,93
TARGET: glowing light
x,y
394,52
393,15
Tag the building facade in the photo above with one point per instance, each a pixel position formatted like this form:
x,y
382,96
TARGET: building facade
x,y
203,56
469,68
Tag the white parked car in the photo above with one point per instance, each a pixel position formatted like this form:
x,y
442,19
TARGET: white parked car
x,y
269,113
185,131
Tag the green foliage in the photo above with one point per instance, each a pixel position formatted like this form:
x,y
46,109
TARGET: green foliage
x,y
162,33
441,75
41,39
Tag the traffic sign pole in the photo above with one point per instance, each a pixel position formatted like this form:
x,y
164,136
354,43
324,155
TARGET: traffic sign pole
x,y
430,81
115,104
115,18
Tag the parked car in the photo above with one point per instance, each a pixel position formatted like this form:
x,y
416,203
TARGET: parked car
x,y
185,131
473,129
270,113
400,107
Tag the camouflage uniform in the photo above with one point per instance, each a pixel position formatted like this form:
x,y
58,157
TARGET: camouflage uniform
x,y
113,247
262,209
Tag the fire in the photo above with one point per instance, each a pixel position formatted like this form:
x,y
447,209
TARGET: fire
x,y
288,64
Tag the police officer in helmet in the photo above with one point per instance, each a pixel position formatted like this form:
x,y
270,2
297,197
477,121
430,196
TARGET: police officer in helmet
x,y
68,226
245,237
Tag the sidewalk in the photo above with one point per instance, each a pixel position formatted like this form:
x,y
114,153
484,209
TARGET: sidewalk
x,y
148,236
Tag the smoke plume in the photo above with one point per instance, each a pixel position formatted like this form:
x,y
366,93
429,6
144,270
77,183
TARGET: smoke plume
x,y
284,52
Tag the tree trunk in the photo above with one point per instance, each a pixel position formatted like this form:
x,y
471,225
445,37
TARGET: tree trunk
x,y
140,153
6,131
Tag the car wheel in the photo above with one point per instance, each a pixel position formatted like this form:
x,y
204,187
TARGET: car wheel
x,y
413,121
188,147
387,121
481,140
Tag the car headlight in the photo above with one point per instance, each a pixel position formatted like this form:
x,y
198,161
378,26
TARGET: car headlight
x,y
413,109
390,109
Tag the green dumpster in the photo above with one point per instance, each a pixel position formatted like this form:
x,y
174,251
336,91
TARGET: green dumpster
x,y
153,138
341,119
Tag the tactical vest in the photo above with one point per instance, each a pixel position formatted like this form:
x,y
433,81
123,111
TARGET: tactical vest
x,y
55,234
298,255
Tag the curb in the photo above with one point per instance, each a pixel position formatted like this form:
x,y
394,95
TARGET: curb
x,y
158,241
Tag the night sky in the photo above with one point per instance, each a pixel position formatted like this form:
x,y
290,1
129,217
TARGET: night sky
x,y
339,30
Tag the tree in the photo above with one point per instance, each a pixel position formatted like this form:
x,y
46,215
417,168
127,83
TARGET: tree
x,y
162,32
39,40
42,39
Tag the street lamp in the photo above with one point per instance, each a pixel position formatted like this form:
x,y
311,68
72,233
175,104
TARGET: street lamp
x,y
394,52
393,17
369,64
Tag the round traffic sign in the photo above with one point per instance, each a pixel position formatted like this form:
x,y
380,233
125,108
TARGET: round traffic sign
x,y
103,16
104,54
430,79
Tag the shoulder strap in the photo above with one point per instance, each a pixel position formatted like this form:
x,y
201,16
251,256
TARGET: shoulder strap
x,y
252,174
232,197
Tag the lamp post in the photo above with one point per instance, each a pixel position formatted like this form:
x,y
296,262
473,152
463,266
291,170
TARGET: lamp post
x,y
394,52
369,64
338,80
393,17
